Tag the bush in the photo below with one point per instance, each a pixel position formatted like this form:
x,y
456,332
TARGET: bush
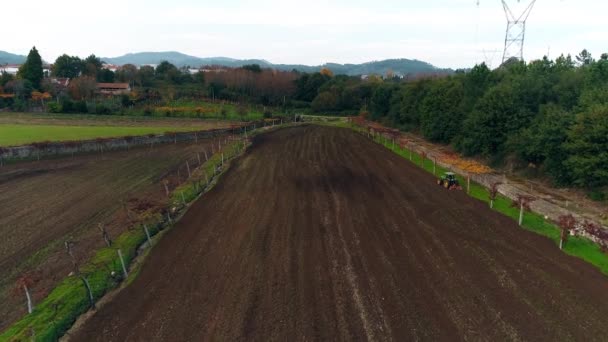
x,y
54,107
597,195
80,107
267,114
102,109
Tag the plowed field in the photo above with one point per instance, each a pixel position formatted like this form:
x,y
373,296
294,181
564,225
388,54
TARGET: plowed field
x,y
44,203
319,234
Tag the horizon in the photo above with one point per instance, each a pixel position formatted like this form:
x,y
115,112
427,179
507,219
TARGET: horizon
x,y
446,34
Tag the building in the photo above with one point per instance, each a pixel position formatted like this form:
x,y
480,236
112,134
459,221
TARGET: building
x,y
113,88
11,69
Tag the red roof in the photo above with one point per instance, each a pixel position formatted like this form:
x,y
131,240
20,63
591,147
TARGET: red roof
x,y
113,85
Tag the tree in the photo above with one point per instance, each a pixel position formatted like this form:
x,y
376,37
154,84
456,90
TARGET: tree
x,y
441,114
127,73
92,66
523,203
325,101
82,88
584,58
497,115
587,148
67,66
493,193
5,77
31,70
543,142
253,68
145,76
567,224
105,76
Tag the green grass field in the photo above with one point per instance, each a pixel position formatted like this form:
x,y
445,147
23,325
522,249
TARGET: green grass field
x,y
15,135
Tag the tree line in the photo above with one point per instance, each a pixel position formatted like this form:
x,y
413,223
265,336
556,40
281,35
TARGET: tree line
x,y
548,117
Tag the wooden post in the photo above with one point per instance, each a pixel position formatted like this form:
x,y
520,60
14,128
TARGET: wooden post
x,y
188,168
521,214
491,204
122,263
468,184
169,218
435,166
104,234
148,235
30,305
206,157
165,183
198,156
85,281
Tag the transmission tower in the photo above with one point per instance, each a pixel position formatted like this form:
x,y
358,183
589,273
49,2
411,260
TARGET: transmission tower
x,y
516,31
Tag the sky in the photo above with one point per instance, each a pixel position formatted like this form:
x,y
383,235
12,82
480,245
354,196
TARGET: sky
x,y
445,33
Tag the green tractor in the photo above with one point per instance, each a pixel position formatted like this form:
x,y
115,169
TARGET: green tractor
x,y
449,181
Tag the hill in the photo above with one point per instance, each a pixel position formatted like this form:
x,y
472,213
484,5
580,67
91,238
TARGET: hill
x,y
9,58
397,66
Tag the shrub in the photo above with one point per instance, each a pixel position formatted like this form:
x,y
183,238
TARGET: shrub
x,y
54,107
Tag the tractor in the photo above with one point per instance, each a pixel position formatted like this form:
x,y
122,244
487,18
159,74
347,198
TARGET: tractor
x,y
449,181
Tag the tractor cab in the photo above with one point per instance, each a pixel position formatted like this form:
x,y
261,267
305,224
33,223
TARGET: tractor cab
x,y
449,181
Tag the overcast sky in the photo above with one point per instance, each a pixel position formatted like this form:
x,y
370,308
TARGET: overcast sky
x,y
446,33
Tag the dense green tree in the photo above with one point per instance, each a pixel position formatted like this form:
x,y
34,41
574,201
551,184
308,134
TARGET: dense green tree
x,y
67,66
588,148
5,77
494,118
380,103
106,76
31,70
441,112
308,85
543,142
325,102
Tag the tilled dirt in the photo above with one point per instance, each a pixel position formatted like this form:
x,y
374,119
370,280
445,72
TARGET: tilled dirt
x,y
44,203
319,234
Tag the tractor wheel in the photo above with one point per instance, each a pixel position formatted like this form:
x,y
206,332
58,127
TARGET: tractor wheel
x,y
446,184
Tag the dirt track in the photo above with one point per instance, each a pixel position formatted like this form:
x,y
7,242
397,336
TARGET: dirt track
x,y
318,234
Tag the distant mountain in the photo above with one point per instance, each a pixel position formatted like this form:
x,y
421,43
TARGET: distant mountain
x,y
397,66
9,58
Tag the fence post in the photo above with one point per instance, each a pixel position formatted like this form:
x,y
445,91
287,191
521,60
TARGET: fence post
x,y
166,187
122,263
468,184
188,167
435,166
148,235
521,214
85,281
198,156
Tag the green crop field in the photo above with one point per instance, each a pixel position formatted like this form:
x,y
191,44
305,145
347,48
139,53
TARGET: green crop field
x,y
15,134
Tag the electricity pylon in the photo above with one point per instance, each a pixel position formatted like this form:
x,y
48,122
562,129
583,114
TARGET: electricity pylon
x,y
516,32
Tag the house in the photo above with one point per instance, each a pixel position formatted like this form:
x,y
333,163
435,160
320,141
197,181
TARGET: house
x,y
113,88
60,81
10,68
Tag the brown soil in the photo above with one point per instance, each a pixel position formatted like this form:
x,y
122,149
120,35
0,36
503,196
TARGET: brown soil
x,y
43,204
319,234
